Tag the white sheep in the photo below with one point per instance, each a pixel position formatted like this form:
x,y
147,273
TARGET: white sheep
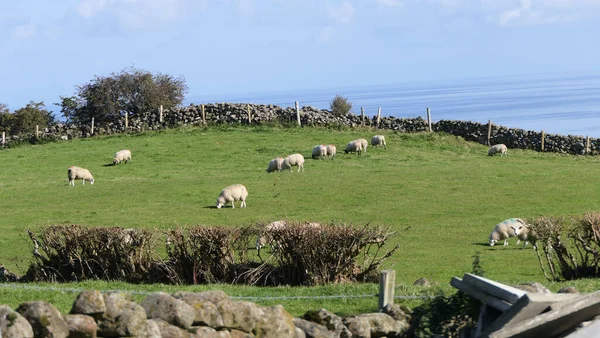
x,y
319,151
122,155
266,237
498,148
293,160
378,140
275,164
364,144
503,230
354,147
75,173
232,193
331,151
523,233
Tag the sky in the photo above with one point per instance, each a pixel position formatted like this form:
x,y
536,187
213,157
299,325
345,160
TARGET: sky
x,y
232,47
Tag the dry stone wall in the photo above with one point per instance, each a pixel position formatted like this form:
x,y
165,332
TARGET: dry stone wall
x,y
261,114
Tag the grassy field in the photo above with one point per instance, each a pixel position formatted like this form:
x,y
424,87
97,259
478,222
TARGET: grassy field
x,y
442,194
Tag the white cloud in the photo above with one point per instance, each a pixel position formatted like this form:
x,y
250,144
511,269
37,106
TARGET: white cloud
x,y
25,31
514,14
389,3
341,14
89,8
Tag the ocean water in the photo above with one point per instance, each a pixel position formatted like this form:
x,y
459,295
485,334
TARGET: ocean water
x,y
567,104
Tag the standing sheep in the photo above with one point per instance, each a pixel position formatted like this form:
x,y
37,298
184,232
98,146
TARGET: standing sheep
x,y
378,140
331,151
498,148
354,147
76,173
293,160
122,155
232,193
503,230
524,233
319,151
275,164
363,143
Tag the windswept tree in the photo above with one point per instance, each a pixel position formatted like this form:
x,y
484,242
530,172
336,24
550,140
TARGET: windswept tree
x,y
340,106
132,91
25,119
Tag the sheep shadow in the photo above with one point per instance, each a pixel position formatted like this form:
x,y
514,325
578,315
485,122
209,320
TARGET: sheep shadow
x,y
108,165
211,207
481,244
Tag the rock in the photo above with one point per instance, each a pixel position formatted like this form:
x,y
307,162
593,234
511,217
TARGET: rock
x,y
89,303
81,326
170,331
174,311
7,276
568,289
122,318
313,330
209,332
152,329
244,316
422,282
240,334
45,319
13,325
375,325
276,322
533,287
396,312
206,312
330,321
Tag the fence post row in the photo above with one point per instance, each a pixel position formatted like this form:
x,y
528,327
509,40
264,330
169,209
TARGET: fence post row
x,y
489,132
378,116
387,281
429,119
298,113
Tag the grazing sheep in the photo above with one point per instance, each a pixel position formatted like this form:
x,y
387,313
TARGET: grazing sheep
x,y
378,140
354,147
232,193
524,233
331,151
319,151
364,144
498,148
293,160
122,155
75,173
275,164
503,230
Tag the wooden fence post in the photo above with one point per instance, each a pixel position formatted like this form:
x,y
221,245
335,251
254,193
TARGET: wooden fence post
x,y
587,145
249,116
92,126
489,131
298,113
429,119
543,138
362,116
37,131
3,138
378,116
160,116
387,281
126,120
203,115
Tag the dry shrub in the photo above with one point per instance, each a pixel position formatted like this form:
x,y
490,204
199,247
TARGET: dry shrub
x,y
74,253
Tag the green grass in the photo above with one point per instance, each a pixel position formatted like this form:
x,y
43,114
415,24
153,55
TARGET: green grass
x,y
442,194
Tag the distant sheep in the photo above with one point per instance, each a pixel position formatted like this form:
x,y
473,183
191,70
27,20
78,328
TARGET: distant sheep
x,y
122,155
331,151
232,193
503,230
77,173
293,160
523,233
319,151
275,164
498,148
378,140
364,144
354,147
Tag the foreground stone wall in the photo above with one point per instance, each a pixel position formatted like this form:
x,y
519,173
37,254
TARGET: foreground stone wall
x,y
187,314
237,114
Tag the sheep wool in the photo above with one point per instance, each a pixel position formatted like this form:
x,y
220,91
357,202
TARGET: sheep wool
x,y
319,151
293,160
331,151
523,233
77,173
378,140
275,164
363,143
232,193
122,155
503,230
354,147
498,148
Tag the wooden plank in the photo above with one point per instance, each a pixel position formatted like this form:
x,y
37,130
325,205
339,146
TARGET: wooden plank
x,y
554,323
498,290
483,297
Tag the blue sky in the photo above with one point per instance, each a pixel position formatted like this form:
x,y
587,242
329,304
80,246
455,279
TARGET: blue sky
x,y
232,47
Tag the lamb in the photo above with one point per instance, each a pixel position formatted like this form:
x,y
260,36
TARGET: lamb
x,y
354,147
122,155
524,233
498,148
75,173
232,193
275,164
331,151
319,151
364,144
378,140
293,160
503,230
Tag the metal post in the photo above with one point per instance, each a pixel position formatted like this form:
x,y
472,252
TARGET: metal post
x,y
387,280
298,113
